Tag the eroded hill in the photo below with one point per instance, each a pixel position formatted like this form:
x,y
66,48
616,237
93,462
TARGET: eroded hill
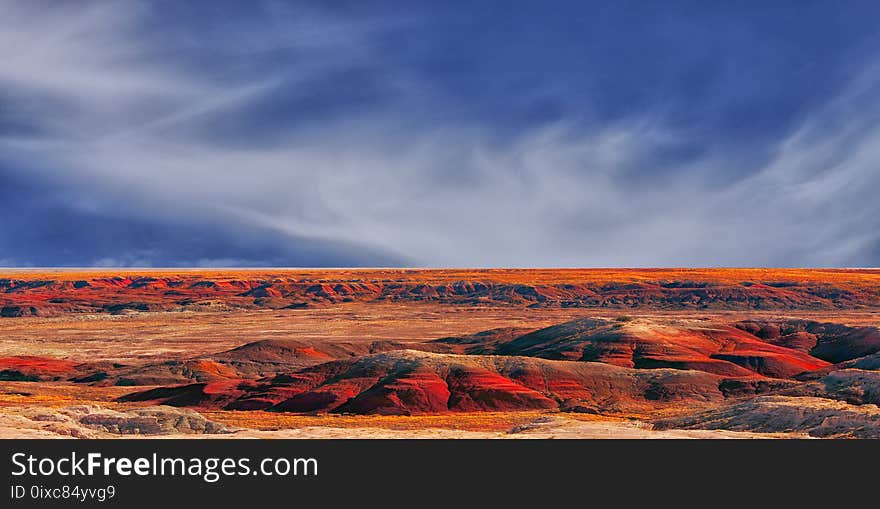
x,y
35,293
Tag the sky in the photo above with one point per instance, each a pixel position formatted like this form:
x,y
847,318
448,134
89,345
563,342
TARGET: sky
x,y
439,134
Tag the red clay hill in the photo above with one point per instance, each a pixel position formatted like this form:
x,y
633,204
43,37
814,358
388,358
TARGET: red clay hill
x,y
595,365
413,382
586,365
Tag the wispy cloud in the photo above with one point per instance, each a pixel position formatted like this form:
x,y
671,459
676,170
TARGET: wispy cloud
x,y
131,133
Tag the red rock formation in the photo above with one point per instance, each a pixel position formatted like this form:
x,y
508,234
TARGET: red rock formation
x,y
410,382
32,368
640,343
25,293
832,342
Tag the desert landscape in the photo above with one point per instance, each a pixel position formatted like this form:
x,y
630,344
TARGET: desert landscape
x,y
452,353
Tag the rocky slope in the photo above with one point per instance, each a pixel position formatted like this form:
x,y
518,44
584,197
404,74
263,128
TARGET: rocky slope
x,y
641,343
411,382
249,361
817,417
92,421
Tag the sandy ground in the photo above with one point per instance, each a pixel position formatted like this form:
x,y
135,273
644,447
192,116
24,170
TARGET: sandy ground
x,y
545,428
39,422
143,336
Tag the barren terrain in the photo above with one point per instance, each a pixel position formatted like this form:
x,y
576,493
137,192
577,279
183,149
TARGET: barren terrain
x,y
661,353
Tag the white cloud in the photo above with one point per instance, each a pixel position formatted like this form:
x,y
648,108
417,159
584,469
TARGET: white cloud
x,y
123,122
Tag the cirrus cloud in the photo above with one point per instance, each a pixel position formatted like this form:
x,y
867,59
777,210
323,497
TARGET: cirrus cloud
x,y
306,139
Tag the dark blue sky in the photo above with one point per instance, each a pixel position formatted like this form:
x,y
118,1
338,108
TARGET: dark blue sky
x,y
439,133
